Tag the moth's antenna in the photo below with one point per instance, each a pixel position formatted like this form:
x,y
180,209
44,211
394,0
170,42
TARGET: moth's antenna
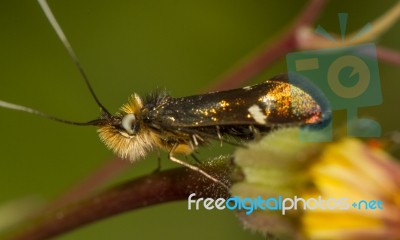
x,y
41,114
50,16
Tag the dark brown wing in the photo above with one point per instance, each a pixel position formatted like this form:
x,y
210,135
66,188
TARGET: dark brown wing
x,y
239,112
271,103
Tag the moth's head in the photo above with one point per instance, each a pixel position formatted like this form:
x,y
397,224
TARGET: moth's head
x,y
123,133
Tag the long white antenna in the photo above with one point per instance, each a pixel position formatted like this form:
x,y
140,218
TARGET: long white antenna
x,y
41,114
50,16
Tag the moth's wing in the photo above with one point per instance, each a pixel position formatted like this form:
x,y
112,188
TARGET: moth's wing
x,y
275,102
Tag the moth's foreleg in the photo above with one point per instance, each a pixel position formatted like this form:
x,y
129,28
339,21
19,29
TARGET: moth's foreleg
x,y
192,167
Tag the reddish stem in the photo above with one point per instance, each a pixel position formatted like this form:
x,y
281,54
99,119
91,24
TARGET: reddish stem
x,y
166,186
388,55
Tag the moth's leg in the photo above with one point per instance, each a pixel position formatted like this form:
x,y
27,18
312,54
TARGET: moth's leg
x,y
193,143
195,138
158,168
256,132
196,159
219,134
192,167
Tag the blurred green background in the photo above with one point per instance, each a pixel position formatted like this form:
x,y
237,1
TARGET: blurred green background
x,y
137,46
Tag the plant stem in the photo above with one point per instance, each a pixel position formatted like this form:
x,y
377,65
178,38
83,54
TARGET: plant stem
x,y
162,187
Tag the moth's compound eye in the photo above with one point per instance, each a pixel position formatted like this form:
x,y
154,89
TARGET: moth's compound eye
x,y
129,123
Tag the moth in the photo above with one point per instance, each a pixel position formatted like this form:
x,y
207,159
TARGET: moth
x,y
182,125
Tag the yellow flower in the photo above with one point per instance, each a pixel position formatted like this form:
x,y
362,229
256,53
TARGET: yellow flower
x,y
354,188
